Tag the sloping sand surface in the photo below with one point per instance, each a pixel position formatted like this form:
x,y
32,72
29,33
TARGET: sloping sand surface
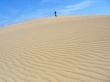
x,y
62,49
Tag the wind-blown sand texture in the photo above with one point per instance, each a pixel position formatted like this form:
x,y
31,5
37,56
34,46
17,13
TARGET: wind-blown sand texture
x,y
62,49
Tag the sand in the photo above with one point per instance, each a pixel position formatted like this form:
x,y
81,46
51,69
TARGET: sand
x,y
62,49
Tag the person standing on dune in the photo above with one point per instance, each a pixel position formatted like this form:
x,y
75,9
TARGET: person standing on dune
x,y
55,13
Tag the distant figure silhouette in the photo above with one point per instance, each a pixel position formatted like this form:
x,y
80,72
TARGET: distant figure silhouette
x,y
55,13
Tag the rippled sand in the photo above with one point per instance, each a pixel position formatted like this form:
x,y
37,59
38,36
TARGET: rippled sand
x,y
62,49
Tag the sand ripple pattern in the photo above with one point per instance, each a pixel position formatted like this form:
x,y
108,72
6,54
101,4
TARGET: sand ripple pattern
x,y
64,49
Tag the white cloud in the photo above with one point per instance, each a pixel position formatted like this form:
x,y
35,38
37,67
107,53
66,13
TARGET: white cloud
x,y
69,9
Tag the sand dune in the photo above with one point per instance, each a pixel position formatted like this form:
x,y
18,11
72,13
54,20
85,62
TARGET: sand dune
x,y
62,49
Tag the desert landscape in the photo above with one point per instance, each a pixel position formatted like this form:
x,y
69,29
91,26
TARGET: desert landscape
x,y
56,49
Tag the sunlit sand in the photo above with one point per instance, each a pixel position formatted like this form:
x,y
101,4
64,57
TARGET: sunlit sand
x,y
61,49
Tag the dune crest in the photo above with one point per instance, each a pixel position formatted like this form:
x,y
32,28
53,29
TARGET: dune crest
x,y
62,49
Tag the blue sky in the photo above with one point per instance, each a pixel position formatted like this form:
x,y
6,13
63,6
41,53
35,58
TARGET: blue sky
x,y
15,11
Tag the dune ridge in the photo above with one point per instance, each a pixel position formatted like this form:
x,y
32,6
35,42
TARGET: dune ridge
x,y
62,49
